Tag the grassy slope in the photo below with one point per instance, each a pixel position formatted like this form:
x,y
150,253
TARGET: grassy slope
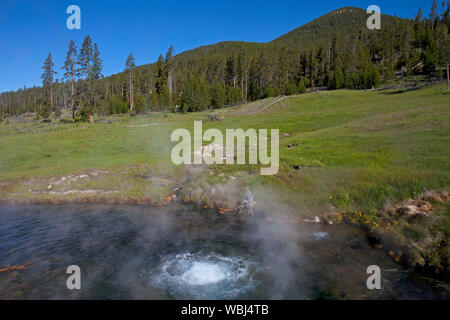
x,y
360,148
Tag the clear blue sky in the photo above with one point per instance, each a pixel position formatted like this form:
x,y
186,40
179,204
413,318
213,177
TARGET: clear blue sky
x,y
32,29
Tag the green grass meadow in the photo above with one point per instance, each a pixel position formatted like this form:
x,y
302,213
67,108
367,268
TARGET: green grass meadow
x,y
355,149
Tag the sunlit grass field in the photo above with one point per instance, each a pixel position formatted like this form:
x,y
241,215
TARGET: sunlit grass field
x,y
352,149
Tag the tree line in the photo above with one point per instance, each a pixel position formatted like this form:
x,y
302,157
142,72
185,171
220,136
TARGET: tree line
x,y
330,52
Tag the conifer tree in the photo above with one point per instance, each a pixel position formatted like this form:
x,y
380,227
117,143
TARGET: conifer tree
x,y
97,64
419,15
161,86
48,76
170,71
129,66
85,58
85,62
71,72
96,74
434,11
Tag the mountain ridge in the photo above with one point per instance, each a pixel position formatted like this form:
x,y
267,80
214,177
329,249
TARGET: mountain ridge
x,y
294,38
290,39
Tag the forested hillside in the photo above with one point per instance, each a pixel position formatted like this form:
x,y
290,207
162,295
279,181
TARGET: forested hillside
x,y
334,51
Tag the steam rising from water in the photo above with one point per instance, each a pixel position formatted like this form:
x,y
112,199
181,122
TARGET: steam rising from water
x,y
180,252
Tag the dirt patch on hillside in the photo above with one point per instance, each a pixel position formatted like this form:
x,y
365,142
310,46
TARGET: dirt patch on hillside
x,y
142,184
416,232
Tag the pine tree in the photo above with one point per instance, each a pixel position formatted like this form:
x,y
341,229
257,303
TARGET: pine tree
x,y
85,62
170,71
218,97
301,86
446,14
85,58
419,15
71,72
129,66
97,64
230,71
195,96
243,72
434,11
161,83
47,76
96,74
313,67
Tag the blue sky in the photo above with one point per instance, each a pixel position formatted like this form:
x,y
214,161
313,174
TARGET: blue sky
x,y
32,29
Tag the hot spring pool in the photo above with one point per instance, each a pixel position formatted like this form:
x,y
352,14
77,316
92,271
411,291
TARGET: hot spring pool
x,y
180,252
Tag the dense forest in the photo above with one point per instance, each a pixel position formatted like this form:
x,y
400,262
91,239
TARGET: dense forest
x,y
334,51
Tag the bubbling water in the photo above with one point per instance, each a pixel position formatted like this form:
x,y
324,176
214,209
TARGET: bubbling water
x,y
205,276
202,273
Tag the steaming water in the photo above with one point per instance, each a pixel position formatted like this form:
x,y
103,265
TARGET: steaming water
x,y
204,275
179,252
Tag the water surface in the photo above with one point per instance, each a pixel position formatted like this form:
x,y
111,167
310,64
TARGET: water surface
x,y
180,252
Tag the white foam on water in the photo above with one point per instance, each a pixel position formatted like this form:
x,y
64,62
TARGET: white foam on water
x,y
202,273
210,276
